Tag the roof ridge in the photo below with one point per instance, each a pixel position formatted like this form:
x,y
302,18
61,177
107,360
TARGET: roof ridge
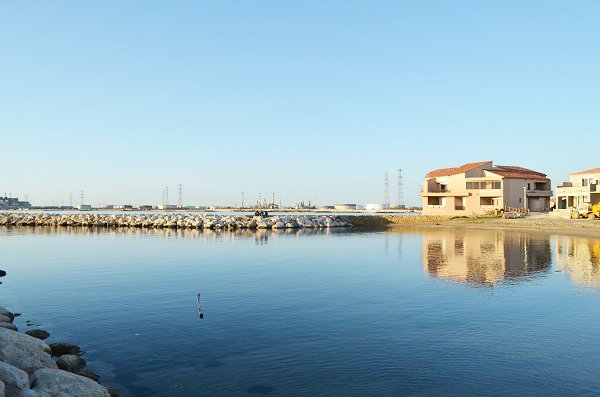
x,y
590,171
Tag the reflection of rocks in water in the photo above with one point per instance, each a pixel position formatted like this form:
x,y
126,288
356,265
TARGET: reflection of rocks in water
x,y
213,363
203,234
484,257
580,257
260,389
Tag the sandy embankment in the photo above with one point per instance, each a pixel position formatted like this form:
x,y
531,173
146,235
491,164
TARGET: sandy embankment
x,y
579,227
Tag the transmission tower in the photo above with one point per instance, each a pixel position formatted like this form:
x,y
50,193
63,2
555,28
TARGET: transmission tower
x,y
81,197
400,189
71,200
180,196
242,200
386,190
259,202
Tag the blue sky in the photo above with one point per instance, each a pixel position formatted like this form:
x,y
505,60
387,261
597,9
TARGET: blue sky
x,y
305,99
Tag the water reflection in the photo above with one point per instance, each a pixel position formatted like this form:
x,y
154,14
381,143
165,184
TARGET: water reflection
x,y
485,257
580,257
261,236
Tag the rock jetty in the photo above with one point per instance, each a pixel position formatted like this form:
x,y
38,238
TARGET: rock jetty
x,y
27,367
174,221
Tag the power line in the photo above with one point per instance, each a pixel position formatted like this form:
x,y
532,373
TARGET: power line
x,y
400,189
386,190
180,196
165,197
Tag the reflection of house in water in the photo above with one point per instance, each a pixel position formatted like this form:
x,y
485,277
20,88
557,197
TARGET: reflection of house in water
x,y
484,256
581,258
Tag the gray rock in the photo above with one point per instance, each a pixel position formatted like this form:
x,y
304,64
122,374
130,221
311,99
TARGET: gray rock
x,y
2,273
10,326
5,319
58,349
57,382
6,312
38,333
89,375
113,391
30,393
15,380
70,362
2,391
24,352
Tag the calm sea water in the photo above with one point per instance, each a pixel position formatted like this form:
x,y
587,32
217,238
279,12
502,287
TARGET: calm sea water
x,y
405,312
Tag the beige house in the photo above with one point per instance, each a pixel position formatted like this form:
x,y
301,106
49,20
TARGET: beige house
x,y
480,188
580,258
484,257
583,187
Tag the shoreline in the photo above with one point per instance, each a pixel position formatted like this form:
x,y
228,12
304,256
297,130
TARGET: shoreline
x,y
575,227
31,368
543,223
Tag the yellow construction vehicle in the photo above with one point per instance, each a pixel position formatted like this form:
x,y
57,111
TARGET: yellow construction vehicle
x,y
586,210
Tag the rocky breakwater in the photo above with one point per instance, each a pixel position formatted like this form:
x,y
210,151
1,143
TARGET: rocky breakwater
x,y
27,367
183,221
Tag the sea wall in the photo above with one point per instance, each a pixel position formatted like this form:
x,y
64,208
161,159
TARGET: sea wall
x,y
174,221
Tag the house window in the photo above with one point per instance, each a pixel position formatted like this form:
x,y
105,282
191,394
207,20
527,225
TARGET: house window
x,y
475,185
584,182
519,200
496,185
469,185
529,186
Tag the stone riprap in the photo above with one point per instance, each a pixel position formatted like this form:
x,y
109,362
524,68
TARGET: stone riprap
x,y
27,368
175,221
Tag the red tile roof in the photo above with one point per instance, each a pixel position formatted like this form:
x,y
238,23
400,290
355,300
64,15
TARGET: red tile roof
x,y
455,170
515,172
592,171
506,171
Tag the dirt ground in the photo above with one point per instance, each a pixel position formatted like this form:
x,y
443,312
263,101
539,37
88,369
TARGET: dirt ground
x,y
577,227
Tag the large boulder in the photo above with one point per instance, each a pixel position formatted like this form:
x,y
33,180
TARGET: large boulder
x,y
90,375
15,380
24,352
10,326
38,333
6,313
70,362
5,319
57,382
60,348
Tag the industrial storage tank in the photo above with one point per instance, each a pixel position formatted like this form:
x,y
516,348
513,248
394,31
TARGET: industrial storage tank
x,y
376,207
344,207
